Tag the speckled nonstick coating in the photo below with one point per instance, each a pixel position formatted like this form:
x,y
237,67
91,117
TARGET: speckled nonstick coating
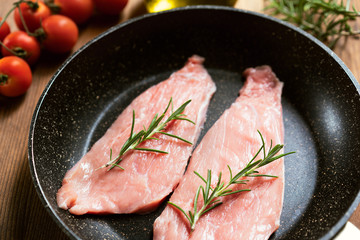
x,y
320,102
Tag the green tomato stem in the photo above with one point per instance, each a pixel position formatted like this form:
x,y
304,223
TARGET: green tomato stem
x,y
23,20
55,9
18,51
33,5
3,79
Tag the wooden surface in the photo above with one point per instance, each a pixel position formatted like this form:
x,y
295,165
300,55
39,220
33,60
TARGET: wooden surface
x,y
22,215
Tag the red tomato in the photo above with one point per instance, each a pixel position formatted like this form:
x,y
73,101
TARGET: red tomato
x,y
110,6
26,47
78,10
32,16
15,76
61,33
4,30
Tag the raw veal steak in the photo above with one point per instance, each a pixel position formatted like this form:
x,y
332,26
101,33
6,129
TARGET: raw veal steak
x,y
233,140
148,177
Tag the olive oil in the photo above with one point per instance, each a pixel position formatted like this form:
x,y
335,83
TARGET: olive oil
x,y
161,5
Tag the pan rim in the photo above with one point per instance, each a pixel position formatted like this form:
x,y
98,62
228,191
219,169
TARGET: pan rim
x,y
31,158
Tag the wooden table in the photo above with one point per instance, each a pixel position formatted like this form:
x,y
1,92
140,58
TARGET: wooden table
x,y
22,215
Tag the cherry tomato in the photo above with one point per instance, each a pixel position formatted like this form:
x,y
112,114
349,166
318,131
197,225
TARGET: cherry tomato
x,y
78,10
33,15
4,30
110,6
61,33
26,47
15,76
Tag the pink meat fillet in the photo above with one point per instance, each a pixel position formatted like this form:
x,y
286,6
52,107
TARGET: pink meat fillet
x,y
148,177
233,140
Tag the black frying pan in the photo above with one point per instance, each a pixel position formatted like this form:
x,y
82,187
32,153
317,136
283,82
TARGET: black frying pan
x,y
320,102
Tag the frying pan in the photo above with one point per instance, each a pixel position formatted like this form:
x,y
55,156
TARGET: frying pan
x,y
321,109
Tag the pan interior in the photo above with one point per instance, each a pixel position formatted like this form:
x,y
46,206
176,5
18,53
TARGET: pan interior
x,y
320,106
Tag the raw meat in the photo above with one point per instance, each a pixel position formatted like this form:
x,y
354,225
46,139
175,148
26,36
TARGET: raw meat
x,y
148,177
233,140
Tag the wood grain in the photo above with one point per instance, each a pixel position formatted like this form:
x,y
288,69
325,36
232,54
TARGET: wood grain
x,y
22,215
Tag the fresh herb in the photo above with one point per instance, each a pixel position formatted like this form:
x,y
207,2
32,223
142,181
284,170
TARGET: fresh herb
x,y
210,195
327,20
156,126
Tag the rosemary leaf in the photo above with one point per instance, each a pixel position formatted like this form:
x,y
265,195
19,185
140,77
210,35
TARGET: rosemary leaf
x,y
174,136
327,20
211,195
156,126
232,192
150,150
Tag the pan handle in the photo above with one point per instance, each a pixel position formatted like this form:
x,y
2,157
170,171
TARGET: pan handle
x,y
349,232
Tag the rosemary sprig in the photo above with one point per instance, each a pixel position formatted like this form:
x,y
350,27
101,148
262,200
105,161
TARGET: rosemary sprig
x,y
210,195
327,20
156,126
